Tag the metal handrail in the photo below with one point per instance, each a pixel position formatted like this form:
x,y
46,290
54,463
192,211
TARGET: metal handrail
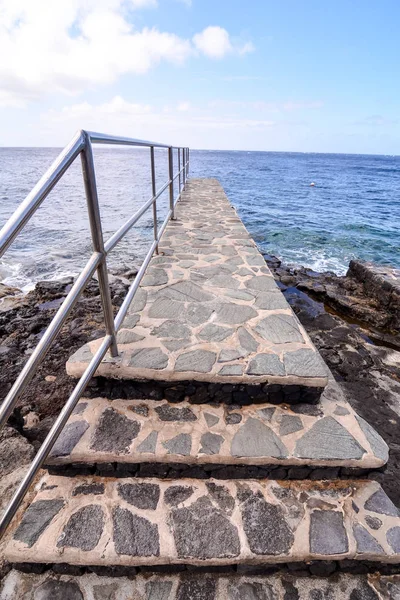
x,y
81,145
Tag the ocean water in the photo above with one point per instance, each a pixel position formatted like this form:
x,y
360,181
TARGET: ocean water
x,y
352,211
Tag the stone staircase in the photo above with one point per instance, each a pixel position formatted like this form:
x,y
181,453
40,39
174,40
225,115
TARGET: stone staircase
x,y
217,441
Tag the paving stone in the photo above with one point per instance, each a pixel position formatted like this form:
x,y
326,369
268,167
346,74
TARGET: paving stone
x,y
266,413
271,301
261,284
139,301
149,444
176,494
233,418
380,503
84,354
134,535
180,444
166,308
280,329
97,489
53,589
106,591
266,364
114,432
328,439
129,323
393,538
341,411
327,533
172,329
232,370
36,519
197,314
211,443
251,591
366,543
126,336
305,363
378,446
139,409
239,294
69,437
226,355
203,531
246,340
141,495
187,291
166,412
149,358
256,439
234,314
83,529
290,424
265,526
155,277
80,408
198,361
174,345
203,589
211,419
158,590
373,522
214,333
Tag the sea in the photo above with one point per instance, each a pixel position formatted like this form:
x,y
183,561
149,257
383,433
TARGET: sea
x,y
352,210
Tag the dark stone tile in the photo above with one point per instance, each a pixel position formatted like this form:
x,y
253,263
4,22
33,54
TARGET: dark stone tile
x,y
158,590
266,364
114,432
83,529
380,503
97,489
373,522
197,589
305,363
180,444
327,533
166,412
247,590
141,495
393,538
221,495
69,437
290,424
134,535
36,519
139,409
202,531
363,591
176,494
53,589
233,418
366,543
80,408
211,419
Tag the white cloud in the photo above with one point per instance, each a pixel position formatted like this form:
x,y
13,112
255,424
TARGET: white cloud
x,y
68,46
215,42
184,106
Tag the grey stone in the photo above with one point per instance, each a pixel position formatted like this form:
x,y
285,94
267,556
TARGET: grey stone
x,y
84,354
328,533
221,495
365,591
211,419
266,413
141,495
139,301
148,358
166,308
176,494
341,411
214,333
243,272
114,432
393,538
290,424
265,526
139,409
36,519
196,313
239,295
246,340
186,264
83,529
53,589
226,355
69,437
256,439
271,301
173,345
224,281
187,291
149,444
234,314
261,283
80,408
134,535
126,336
199,361
172,329
105,591
180,444
166,412
373,522
197,589
254,590
233,418
86,489
378,445
203,531
279,329
129,323
210,443
155,277
255,261
305,363
231,370
266,364
328,440
380,503
366,543
158,590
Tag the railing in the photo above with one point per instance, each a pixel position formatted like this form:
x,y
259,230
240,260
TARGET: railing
x,y
81,145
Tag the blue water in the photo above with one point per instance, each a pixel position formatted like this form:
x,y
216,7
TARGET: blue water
x,y
352,211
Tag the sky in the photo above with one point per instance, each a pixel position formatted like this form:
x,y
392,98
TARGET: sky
x,y
293,75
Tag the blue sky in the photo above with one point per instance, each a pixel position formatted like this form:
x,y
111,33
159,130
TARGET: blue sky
x,y
297,75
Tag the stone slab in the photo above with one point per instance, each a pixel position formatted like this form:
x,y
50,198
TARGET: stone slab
x,y
209,296
139,522
140,431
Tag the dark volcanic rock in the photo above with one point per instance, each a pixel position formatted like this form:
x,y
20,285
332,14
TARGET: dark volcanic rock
x,y
84,528
176,494
58,590
141,495
134,535
36,519
114,432
327,533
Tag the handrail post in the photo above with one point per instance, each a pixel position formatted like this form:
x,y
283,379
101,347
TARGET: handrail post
x,y
187,162
171,181
154,193
179,170
92,200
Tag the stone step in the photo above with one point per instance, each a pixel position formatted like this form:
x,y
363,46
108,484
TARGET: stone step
x,y
151,522
195,586
158,438
209,311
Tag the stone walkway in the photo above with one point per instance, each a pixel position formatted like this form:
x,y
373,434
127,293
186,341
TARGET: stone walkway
x,y
122,431
208,310
95,521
